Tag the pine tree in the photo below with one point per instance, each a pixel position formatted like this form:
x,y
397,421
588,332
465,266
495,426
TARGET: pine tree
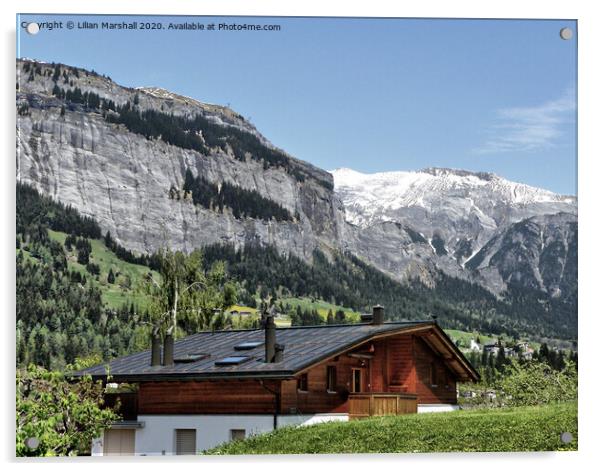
x,y
57,73
484,357
111,277
553,359
500,360
544,352
108,240
189,180
560,362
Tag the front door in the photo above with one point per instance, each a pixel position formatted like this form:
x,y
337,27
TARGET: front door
x,y
356,380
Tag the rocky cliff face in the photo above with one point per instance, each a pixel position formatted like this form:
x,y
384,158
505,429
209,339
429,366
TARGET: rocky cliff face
x,y
123,180
539,253
475,226
409,223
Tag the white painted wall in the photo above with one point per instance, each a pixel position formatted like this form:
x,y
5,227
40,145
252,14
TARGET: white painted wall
x,y
287,420
422,408
97,446
157,437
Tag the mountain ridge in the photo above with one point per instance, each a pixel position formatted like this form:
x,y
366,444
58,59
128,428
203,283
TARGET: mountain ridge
x,y
440,217
141,162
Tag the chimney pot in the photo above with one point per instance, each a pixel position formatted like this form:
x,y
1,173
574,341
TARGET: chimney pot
x,y
279,353
168,350
378,315
155,350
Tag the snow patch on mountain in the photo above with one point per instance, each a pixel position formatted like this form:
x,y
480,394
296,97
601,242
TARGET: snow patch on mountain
x,y
370,198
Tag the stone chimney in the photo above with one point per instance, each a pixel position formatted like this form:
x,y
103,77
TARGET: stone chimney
x,y
378,315
168,350
270,339
155,350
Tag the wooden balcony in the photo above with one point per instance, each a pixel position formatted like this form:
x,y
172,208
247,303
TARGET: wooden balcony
x,y
362,405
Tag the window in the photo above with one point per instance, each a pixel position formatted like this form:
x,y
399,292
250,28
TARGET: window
x,y
331,378
356,380
228,361
190,357
247,345
237,434
302,382
433,374
185,441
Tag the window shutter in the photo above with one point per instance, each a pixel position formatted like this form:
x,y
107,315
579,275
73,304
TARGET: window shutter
x,y
237,434
185,441
331,378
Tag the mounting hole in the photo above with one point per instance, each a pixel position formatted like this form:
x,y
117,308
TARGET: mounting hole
x,y
33,28
566,33
566,437
32,443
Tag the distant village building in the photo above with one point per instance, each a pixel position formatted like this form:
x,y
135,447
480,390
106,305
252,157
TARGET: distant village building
x,y
492,348
526,350
474,346
489,394
521,349
240,313
510,352
467,394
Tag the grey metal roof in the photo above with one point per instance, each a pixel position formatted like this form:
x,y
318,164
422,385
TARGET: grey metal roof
x,y
304,346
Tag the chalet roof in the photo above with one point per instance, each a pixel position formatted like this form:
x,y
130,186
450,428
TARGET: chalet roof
x,y
304,346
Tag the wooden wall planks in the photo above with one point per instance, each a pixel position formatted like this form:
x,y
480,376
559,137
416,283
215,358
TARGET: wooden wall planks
x,y
399,364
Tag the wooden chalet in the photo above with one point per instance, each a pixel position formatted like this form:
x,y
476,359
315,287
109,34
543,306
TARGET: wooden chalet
x,y
213,387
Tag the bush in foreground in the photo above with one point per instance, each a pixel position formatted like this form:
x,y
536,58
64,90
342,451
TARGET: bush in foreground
x,y
63,416
536,383
507,429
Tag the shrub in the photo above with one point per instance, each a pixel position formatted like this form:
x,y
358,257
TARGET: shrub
x,y
64,416
537,383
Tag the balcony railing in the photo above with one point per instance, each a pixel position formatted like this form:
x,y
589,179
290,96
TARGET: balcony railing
x,y
363,405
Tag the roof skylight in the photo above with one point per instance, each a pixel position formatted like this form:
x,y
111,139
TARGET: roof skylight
x,y
229,361
247,345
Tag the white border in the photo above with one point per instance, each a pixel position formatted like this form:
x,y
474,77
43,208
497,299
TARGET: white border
x,y
590,172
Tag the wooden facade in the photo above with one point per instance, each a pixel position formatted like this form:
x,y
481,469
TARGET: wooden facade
x,y
207,397
391,374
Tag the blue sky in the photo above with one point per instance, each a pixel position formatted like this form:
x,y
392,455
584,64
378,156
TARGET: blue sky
x,y
373,95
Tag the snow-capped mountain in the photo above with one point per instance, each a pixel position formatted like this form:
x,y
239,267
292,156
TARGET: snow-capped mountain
x,y
439,218
376,197
476,226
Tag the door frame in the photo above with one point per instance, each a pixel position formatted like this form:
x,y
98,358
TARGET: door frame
x,y
353,382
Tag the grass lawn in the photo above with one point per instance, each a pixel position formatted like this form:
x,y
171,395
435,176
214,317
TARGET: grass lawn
x,y
113,295
506,429
466,336
322,307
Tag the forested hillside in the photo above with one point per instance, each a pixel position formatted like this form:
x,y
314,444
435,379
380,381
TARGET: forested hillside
x,y
61,314
77,296
347,281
